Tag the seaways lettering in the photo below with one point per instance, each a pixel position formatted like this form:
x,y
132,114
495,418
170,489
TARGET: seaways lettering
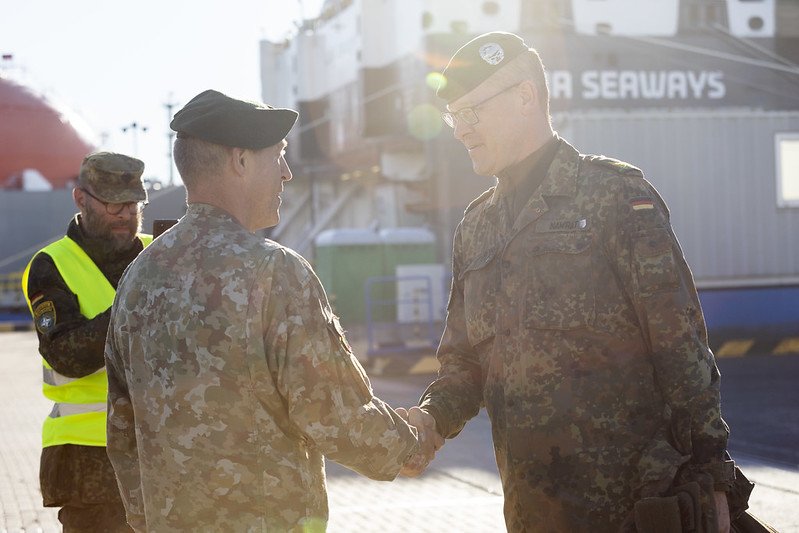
x,y
638,84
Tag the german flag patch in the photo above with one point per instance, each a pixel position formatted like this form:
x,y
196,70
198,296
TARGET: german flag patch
x,y
641,204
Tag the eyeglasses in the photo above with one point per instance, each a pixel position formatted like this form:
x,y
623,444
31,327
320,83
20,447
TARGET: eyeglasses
x,y
469,114
117,208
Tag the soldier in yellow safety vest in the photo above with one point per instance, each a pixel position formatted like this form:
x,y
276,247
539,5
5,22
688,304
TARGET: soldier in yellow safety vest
x,y
70,286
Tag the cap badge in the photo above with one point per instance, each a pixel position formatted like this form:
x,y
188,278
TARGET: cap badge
x,y
492,53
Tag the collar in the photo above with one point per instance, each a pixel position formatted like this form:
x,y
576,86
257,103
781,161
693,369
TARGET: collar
x,y
560,179
97,249
534,164
208,213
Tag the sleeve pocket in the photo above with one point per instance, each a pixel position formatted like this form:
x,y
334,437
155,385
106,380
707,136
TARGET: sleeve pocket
x,y
353,371
655,266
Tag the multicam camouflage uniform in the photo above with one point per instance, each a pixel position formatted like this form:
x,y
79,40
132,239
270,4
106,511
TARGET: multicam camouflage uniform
x,y
229,380
579,328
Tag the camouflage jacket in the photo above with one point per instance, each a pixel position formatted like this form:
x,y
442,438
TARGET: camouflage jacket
x,y
579,328
229,381
73,345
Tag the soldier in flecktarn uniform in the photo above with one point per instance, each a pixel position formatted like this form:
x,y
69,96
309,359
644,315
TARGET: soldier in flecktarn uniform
x,y
574,320
70,285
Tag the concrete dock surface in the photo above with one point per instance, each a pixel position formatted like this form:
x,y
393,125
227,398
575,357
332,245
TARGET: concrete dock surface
x,y
461,490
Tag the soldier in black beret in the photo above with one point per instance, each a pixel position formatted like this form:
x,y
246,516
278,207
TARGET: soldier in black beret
x,y
217,118
574,319
229,376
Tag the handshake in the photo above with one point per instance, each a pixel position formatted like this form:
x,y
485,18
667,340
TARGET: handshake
x,y
429,440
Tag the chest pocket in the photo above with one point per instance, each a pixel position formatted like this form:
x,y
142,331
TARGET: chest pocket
x,y
480,287
560,282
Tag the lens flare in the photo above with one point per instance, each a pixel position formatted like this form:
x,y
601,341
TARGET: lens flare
x,y
424,122
436,80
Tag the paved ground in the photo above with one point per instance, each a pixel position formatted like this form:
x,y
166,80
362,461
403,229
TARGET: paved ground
x,y
760,396
460,492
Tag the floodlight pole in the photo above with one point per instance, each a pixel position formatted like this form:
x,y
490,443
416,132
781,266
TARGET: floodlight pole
x,y
135,127
170,137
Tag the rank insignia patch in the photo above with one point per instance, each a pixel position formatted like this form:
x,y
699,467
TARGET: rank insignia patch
x,y
44,316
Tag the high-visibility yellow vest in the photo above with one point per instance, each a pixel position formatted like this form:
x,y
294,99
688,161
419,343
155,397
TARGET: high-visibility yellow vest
x,y
79,413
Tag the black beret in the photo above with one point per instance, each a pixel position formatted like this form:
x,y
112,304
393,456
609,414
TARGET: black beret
x,y
476,61
220,119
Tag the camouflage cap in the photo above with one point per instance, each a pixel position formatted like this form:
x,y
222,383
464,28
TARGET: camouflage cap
x,y
113,178
217,118
476,61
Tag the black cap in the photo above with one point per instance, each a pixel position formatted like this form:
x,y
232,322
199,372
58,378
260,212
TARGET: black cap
x,y
476,61
220,119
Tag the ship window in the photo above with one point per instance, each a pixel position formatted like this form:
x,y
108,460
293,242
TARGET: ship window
x,y
756,23
787,148
459,26
427,20
490,8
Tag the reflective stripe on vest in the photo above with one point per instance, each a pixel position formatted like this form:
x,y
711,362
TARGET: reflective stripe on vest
x,y
79,414
69,409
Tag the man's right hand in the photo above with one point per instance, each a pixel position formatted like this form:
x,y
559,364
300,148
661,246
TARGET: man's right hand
x,y
429,440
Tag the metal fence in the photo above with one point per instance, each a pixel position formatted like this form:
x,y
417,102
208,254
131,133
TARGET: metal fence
x,y
401,314
11,298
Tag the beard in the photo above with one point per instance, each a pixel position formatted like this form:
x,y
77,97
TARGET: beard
x,y
98,227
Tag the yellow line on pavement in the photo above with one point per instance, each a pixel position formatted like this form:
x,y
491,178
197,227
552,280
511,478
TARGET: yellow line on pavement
x,y
789,345
735,348
425,365
379,365
10,326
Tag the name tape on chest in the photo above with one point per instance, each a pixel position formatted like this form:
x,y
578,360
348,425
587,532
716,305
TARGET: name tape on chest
x,y
566,225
